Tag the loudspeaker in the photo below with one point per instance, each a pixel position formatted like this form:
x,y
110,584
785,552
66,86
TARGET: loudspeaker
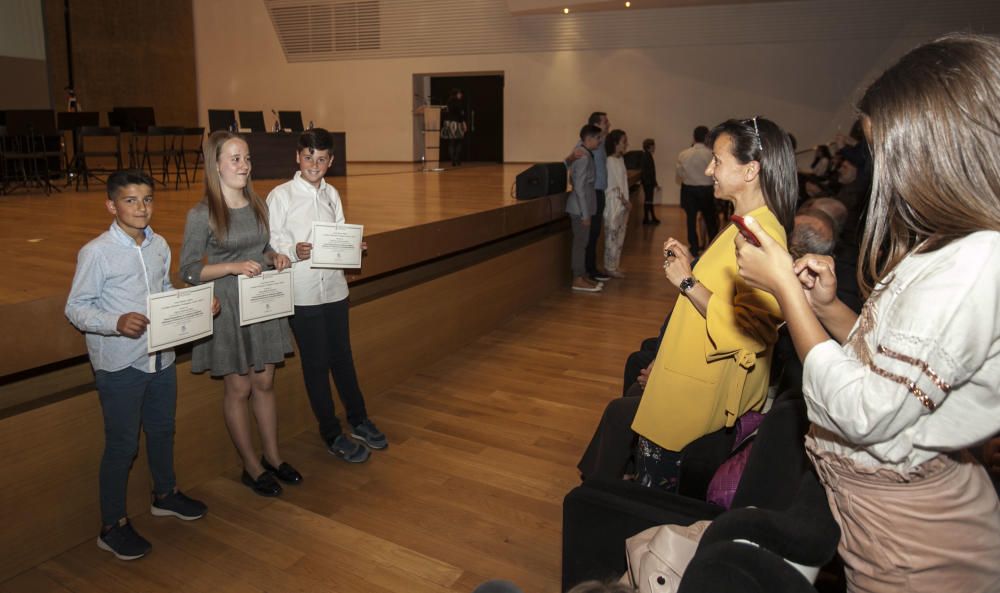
x,y
633,159
539,180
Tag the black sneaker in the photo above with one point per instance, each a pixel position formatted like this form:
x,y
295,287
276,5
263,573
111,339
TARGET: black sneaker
x,y
600,277
350,451
124,542
177,504
372,436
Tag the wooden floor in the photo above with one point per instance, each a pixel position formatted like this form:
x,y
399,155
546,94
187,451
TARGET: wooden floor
x,y
483,448
42,234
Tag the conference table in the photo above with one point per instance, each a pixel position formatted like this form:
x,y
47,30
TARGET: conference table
x,y
273,154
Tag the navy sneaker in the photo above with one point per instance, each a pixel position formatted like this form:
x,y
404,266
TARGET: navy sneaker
x,y
177,504
350,451
124,542
370,435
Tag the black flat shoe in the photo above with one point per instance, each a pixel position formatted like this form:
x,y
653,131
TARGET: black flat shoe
x,y
285,472
264,485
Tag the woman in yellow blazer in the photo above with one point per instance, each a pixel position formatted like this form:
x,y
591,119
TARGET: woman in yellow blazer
x,y
714,360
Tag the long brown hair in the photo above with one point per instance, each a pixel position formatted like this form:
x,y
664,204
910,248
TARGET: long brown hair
x,y
935,138
218,212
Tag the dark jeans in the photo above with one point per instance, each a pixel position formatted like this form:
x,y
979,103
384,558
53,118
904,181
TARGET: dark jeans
x,y
596,224
695,199
323,335
647,203
455,150
131,399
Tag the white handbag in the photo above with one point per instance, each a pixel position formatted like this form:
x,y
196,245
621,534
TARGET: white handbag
x,y
658,556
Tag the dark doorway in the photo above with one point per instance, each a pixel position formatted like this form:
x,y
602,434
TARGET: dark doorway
x,y
483,96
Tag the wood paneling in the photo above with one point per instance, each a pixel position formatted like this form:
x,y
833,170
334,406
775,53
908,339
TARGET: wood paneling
x,y
51,454
127,54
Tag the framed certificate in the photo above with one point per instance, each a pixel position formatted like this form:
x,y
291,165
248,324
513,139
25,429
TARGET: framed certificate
x,y
336,245
179,316
264,297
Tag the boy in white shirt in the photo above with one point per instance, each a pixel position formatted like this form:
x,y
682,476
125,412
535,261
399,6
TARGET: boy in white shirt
x,y
320,323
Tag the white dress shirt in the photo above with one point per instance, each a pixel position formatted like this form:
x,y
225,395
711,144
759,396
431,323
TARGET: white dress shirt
x,y
920,373
292,207
691,165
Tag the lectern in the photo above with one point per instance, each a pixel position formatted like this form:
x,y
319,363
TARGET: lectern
x,y
431,131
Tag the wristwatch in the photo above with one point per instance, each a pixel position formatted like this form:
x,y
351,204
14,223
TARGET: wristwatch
x,y
687,284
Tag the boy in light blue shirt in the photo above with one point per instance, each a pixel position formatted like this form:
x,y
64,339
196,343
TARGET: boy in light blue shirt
x,y
115,273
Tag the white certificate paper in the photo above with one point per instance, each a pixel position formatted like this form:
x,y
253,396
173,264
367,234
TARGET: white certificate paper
x,y
264,297
179,316
336,245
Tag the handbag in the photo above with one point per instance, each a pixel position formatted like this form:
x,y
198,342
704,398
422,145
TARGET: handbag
x,y
658,556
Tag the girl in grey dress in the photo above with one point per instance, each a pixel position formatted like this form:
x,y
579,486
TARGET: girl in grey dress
x,y
226,236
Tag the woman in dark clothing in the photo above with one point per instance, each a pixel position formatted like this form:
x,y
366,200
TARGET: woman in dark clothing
x,y
648,177
454,126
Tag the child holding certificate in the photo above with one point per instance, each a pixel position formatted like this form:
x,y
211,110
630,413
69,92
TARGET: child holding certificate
x,y
226,236
115,273
320,324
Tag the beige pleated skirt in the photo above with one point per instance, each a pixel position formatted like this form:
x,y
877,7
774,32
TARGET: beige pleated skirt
x,y
935,530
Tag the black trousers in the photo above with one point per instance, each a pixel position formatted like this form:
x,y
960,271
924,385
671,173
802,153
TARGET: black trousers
x,y
610,449
695,199
323,335
647,204
596,225
455,151
639,360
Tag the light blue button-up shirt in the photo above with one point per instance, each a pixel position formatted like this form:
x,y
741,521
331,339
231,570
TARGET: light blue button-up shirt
x,y
600,166
113,277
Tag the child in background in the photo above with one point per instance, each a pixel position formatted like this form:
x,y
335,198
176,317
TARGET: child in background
x,y
581,205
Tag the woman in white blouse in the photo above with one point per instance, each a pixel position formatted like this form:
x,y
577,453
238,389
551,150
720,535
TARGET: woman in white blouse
x,y
617,206
898,394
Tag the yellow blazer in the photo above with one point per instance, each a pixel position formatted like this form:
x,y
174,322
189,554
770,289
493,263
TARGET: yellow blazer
x,y
711,370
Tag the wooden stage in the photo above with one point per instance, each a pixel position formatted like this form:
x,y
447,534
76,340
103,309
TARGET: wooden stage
x,y
485,371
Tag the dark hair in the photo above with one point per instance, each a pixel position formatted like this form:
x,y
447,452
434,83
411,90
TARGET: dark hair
x,y
700,133
453,94
612,140
123,177
762,140
936,150
595,117
315,139
588,131
648,142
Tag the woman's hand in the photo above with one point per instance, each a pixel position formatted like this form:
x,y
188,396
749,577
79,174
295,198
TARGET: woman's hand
x,y
216,306
768,267
677,264
818,277
281,262
248,268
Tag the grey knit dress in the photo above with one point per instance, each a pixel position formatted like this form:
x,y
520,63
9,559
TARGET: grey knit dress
x,y
231,349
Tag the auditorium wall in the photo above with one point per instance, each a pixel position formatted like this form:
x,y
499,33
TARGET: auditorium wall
x,y
127,54
800,63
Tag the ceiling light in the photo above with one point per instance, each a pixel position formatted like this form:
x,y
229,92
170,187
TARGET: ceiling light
x,y
628,5
565,11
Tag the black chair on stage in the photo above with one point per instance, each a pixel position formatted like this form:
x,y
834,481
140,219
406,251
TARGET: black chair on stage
x,y
253,120
36,146
191,146
95,143
163,144
134,121
72,121
290,120
221,119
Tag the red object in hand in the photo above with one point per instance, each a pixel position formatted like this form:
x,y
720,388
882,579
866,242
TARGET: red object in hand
x,y
747,233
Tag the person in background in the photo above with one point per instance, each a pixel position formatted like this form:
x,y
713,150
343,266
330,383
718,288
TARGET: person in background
x,y
647,176
696,190
617,204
